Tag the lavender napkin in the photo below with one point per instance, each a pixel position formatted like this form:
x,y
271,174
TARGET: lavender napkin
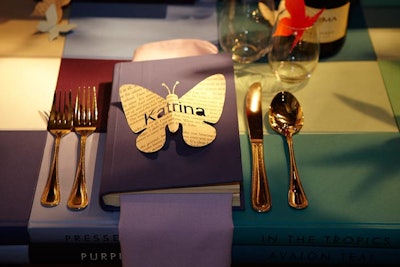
x,y
177,230
180,230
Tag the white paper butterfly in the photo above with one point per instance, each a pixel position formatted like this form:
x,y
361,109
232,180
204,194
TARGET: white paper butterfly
x,y
149,114
51,25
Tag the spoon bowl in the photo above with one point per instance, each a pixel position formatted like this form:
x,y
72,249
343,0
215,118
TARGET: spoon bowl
x,y
286,117
285,114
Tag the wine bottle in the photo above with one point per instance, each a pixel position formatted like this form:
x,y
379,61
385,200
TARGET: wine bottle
x,y
332,24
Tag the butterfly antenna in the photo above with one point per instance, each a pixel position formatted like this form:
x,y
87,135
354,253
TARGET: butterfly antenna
x,y
173,89
169,91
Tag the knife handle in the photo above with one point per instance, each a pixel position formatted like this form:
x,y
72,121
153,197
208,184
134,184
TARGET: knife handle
x,y
260,196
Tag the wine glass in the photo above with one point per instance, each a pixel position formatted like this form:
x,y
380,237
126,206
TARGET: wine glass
x,y
245,28
294,52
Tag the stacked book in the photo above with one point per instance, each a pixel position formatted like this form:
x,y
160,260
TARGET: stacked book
x,y
119,167
349,220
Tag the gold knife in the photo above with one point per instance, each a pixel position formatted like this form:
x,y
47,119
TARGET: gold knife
x,y
260,195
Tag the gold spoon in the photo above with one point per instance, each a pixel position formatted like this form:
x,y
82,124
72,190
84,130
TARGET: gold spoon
x,y
286,117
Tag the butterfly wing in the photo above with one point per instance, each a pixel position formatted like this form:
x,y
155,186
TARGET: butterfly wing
x,y
145,114
51,20
64,28
207,99
297,10
55,31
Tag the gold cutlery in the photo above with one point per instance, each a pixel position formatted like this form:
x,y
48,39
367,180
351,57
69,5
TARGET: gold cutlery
x,y
59,124
286,117
260,195
85,121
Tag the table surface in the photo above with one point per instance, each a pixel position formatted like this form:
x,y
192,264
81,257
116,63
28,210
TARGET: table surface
x,y
359,87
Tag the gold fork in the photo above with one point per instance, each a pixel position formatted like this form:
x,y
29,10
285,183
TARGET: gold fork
x,y
59,124
85,121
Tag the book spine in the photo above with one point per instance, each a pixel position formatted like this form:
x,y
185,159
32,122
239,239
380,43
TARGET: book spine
x,y
75,235
52,253
14,235
313,255
111,253
14,254
355,236
264,236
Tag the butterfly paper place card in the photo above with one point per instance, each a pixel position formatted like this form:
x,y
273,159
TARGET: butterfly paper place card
x,y
51,23
149,114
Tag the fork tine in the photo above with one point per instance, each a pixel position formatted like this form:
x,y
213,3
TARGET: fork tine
x,y
95,111
63,108
70,111
60,107
53,111
86,110
83,107
77,113
88,106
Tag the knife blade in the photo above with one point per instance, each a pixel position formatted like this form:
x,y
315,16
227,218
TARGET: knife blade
x,y
260,195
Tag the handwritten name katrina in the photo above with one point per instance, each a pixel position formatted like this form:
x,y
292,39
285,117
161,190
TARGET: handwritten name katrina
x,y
173,107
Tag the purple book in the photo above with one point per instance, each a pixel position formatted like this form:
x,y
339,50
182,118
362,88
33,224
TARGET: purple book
x,y
215,167
21,157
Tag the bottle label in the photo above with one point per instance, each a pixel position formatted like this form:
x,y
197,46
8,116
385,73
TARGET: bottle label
x,y
332,23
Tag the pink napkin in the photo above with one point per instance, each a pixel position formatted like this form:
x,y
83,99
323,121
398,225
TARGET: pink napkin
x,y
180,230
174,48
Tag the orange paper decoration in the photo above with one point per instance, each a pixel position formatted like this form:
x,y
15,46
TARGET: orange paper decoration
x,y
297,22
